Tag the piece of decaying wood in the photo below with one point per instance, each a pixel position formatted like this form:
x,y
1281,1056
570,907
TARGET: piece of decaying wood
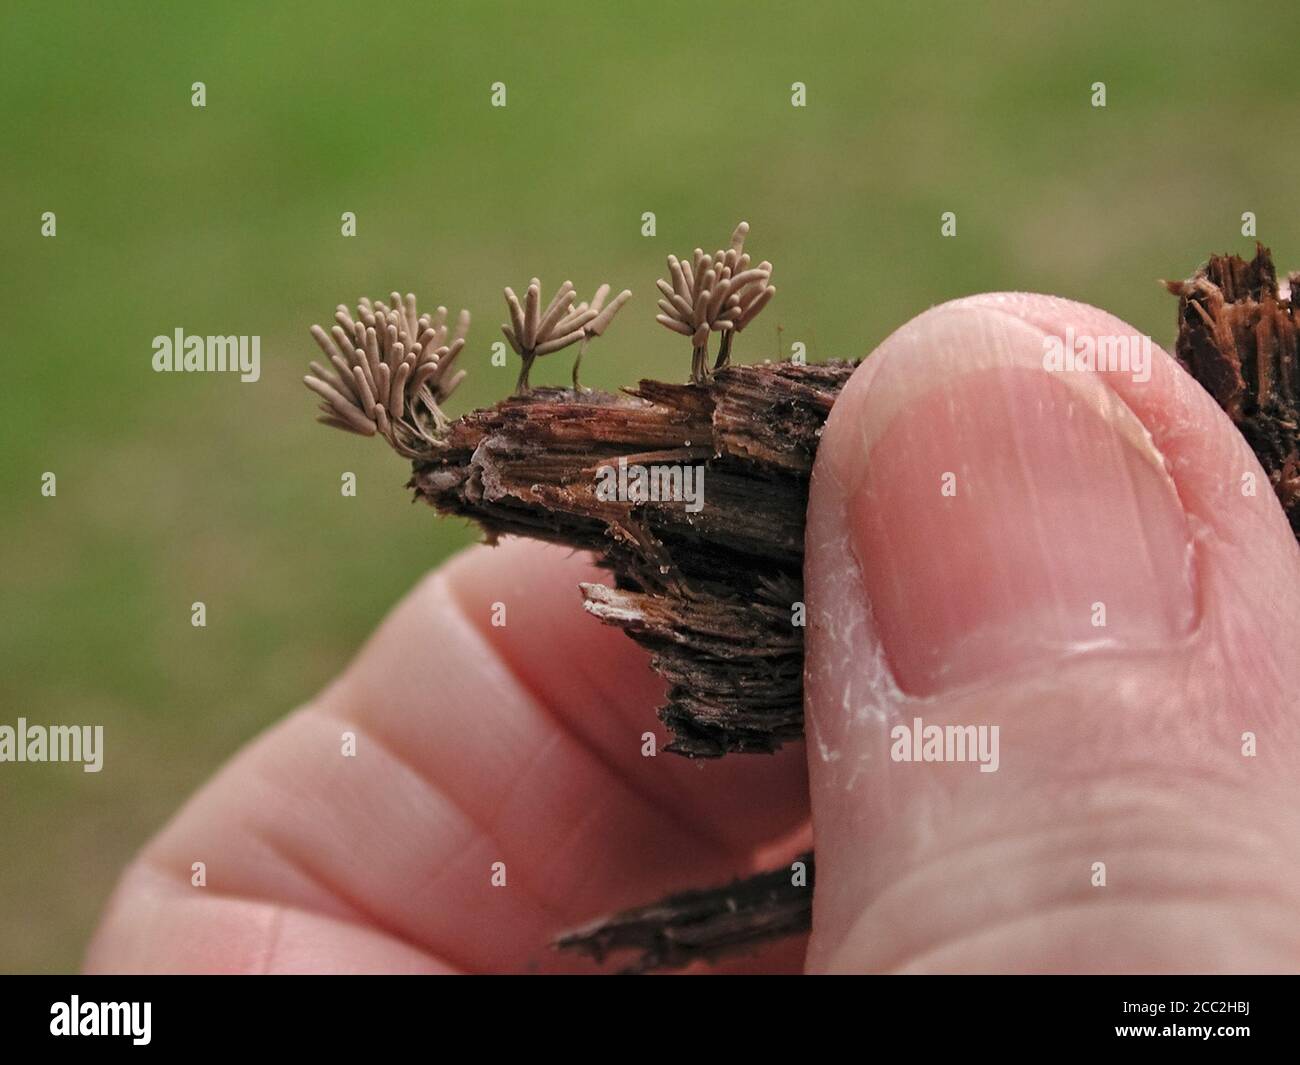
x,y
715,595
1237,335
704,925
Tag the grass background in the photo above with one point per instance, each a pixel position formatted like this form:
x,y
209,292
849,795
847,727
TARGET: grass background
x,y
176,488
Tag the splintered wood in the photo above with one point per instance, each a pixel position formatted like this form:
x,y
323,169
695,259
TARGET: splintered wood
x,y
1237,336
703,925
713,591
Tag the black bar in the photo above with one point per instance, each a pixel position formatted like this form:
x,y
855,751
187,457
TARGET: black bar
x,y
336,1014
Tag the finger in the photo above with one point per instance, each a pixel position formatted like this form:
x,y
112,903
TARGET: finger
x,y
1068,557
473,821
599,684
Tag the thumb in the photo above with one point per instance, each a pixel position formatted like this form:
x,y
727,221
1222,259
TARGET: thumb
x,y
1051,676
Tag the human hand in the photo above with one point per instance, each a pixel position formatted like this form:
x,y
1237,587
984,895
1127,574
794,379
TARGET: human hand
x,y
968,601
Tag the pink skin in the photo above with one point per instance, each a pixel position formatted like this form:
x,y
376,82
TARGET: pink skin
x,y
1120,744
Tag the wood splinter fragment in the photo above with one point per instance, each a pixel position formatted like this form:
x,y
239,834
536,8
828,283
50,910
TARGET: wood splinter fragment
x,y
703,925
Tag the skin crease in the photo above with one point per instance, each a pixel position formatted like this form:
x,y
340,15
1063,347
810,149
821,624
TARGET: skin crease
x,y
521,744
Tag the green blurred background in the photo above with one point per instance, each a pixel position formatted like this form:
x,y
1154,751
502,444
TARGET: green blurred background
x,y
226,220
